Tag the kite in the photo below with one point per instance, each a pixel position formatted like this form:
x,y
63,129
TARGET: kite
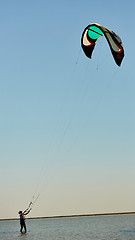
x,y
93,32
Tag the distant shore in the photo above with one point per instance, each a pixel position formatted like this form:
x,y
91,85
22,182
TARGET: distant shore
x,y
72,215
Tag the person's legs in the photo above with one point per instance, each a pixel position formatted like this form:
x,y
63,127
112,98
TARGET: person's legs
x,y
24,225
21,223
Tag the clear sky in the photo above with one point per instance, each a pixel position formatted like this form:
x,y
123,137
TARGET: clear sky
x,y
67,123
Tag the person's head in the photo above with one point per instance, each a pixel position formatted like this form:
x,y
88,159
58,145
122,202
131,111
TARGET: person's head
x,y
20,212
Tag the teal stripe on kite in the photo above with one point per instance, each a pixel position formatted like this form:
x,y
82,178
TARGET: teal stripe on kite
x,y
94,32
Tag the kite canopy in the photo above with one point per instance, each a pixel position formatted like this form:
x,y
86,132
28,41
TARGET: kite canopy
x,y
93,32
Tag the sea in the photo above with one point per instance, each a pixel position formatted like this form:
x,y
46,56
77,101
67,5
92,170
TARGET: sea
x,y
103,227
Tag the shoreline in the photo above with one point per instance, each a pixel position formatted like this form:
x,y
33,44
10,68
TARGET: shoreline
x,y
72,215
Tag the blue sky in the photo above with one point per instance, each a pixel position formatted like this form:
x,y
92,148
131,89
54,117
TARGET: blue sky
x,y
66,122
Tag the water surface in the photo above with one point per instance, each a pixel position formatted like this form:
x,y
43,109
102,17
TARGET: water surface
x,y
118,227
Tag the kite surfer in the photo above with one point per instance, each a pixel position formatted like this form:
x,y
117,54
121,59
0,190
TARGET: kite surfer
x,y
23,213
22,220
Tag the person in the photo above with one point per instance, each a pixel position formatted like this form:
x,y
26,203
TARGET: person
x,y
22,220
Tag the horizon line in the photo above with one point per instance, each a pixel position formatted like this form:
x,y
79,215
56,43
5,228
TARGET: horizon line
x,y
70,215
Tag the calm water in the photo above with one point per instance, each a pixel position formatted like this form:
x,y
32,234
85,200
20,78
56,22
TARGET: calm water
x,y
118,227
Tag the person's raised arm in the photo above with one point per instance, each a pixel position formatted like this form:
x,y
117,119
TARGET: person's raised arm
x,y
26,212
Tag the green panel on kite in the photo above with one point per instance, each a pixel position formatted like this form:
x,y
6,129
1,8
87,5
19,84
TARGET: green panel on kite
x,y
94,32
